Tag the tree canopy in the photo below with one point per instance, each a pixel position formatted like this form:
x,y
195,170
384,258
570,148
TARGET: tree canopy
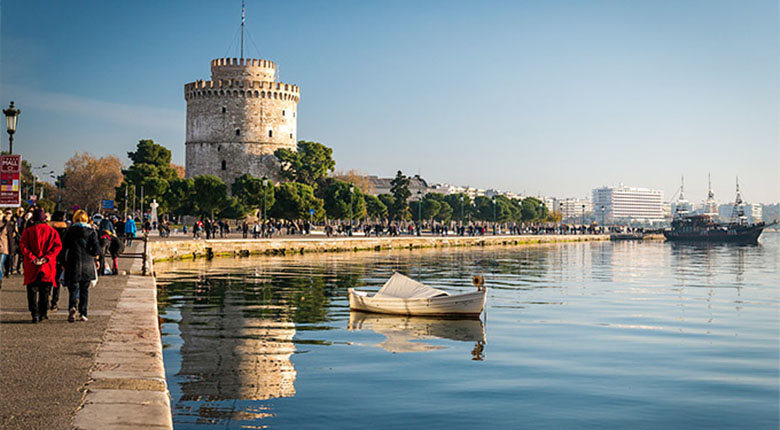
x,y
249,191
88,180
294,201
151,169
400,190
311,162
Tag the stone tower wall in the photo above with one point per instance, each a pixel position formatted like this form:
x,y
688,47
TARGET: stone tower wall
x,y
238,119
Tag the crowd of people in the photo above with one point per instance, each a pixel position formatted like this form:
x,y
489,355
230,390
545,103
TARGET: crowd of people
x,y
56,251
207,228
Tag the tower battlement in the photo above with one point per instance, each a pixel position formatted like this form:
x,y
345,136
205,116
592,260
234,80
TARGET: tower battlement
x,y
242,88
243,68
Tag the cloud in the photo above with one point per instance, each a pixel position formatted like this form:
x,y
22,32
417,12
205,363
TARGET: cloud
x,y
144,117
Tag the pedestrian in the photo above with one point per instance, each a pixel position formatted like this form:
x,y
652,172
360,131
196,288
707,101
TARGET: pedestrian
x,y
81,246
40,245
116,247
7,228
130,230
58,223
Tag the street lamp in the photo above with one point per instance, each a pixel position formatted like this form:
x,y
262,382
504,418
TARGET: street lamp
x,y
419,212
494,215
602,215
265,184
461,208
351,190
11,115
583,214
59,193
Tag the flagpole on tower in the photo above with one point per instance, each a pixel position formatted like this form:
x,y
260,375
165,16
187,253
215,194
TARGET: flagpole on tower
x,y
242,28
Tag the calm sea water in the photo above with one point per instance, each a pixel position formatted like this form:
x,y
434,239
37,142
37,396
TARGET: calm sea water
x,y
590,335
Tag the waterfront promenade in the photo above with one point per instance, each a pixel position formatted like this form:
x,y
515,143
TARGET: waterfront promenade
x,y
100,374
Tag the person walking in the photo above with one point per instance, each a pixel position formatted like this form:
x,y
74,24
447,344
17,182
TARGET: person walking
x,y
130,230
40,244
7,226
81,246
58,223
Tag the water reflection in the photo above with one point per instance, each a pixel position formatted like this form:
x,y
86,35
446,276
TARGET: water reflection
x,y
401,332
601,328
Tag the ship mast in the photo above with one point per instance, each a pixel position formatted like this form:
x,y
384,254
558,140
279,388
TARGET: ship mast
x,y
738,211
710,205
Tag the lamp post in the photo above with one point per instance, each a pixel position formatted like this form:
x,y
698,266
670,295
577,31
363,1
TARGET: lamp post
x,y
351,191
461,208
59,194
265,192
602,215
419,212
494,214
583,214
11,116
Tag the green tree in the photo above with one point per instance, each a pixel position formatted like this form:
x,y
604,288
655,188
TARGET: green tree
x,y
179,197
375,209
294,201
483,208
311,162
400,190
460,204
430,208
337,198
209,194
389,201
150,169
232,209
249,191
533,210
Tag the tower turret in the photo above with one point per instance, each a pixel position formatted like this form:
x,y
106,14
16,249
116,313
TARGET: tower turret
x,y
236,120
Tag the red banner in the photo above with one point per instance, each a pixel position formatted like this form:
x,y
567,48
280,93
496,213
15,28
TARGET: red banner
x,y
10,180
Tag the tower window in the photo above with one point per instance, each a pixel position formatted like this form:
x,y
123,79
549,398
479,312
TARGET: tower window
x,y
224,165
290,135
270,133
293,114
238,132
282,112
224,109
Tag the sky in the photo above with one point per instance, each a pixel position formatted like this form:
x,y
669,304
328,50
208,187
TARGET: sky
x,y
549,98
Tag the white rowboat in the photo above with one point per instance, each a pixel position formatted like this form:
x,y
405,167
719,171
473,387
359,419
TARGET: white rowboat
x,y
404,296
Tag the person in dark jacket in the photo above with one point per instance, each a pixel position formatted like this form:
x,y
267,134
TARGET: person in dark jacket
x,y
39,245
81,246
58,223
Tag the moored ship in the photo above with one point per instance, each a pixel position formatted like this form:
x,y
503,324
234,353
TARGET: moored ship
x,y
703,228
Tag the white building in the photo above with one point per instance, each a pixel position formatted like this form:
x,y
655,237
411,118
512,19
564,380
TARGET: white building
x,y
573,210
627,204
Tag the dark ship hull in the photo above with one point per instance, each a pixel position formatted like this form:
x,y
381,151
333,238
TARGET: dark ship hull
x,y
738,234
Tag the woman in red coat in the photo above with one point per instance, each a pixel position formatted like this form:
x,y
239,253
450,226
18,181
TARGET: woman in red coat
x,y
40,245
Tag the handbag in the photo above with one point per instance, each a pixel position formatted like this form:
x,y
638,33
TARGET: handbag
x,y
94,282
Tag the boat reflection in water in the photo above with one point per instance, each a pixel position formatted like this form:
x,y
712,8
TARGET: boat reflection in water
x,y
403,333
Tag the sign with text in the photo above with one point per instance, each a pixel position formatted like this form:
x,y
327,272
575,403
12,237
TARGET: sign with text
x,y
10,180
108,204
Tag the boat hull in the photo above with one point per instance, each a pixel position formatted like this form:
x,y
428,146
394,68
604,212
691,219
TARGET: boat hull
x,y
747,236
459,304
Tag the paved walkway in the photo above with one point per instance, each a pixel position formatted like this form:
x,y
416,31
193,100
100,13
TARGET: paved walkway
x,y
47,369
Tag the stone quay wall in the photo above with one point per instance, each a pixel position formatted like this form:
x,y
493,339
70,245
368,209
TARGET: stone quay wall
x,y
169,250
